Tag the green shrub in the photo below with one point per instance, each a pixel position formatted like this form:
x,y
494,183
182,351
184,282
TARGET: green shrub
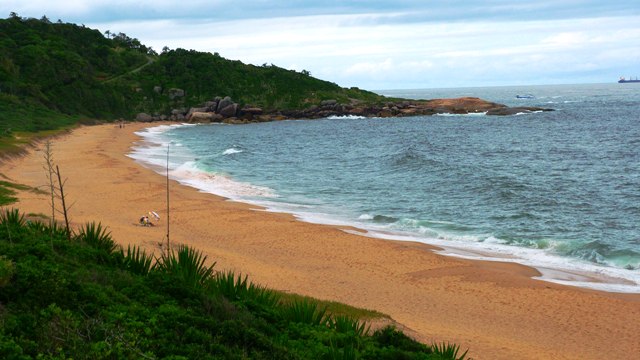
x,y
305,311
239,288
137,261
7,269
348,325
389,336
448,351
11,218
97,237
186,265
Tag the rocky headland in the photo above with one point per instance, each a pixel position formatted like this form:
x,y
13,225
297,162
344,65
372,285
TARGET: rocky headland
x,y
227,111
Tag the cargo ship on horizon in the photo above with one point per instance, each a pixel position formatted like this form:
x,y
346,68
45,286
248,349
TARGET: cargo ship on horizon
x,y
623,80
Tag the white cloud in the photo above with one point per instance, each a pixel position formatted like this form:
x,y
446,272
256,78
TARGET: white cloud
x,y
370,68
384,49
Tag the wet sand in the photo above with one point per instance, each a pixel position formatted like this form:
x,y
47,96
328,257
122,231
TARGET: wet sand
x,y
494,309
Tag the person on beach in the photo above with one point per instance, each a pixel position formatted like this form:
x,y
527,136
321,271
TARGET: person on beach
x,y
144,221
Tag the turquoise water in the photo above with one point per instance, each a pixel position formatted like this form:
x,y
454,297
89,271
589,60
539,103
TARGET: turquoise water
x,y
556,190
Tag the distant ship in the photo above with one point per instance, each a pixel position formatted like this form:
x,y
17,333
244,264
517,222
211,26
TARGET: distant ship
x,y
623,80
525,96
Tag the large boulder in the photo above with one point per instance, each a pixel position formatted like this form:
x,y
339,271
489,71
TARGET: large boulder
x,y
195,110
229,111
205,117
223,104
144,117
211,105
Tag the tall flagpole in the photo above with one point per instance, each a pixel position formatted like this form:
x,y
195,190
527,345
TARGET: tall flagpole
x,y
168,243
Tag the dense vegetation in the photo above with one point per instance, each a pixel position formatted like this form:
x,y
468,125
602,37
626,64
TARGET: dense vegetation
x,y
52,74
88,298
204,75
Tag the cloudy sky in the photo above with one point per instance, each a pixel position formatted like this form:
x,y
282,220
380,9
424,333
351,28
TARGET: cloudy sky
x,y
401,44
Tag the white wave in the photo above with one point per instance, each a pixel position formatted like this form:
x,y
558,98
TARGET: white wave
x,y
232,151
365,217
553,268
463,115
152,153
217,184
349,117
527,112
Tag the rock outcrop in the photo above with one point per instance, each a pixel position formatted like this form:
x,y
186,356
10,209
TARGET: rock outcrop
x,y
205,117
144,117
226,110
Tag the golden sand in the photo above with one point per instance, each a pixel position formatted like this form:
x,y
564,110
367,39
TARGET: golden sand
x,y
494,309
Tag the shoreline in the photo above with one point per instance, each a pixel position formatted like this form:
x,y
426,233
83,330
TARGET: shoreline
x,y
495,309
551,268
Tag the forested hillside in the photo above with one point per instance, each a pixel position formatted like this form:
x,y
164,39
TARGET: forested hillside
x,y
52,74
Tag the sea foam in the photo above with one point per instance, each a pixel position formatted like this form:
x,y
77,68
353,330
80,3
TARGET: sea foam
x,y
152,153
231,151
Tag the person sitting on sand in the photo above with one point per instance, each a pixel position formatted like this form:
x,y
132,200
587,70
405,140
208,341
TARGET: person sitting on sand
x,y
144,221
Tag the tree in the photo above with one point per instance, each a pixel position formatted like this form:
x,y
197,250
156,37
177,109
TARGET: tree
x,y
305,72
165,49
108,34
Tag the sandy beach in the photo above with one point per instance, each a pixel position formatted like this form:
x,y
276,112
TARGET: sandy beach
x,y
494,309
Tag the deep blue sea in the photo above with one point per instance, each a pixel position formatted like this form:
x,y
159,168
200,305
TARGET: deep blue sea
x,y
558,190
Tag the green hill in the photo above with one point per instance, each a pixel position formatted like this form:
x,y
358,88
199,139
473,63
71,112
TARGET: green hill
x,y
53,74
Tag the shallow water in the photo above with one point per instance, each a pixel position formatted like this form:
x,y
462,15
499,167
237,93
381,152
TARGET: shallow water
x,y
558,190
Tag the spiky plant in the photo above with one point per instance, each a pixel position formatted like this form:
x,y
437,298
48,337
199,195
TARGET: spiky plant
x,y
12,218
186,264
231,286
98,237
305,311
38,227
239,288
346,324
263,296
137,260
448,351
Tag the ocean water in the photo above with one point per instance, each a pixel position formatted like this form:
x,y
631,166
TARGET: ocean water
x,y
558,190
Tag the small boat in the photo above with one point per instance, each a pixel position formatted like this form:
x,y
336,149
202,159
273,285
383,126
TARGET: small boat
x,y
623,80
525,96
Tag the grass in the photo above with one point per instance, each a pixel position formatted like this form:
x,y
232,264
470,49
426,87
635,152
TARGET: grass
x,y
16,143
336,308
8,191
